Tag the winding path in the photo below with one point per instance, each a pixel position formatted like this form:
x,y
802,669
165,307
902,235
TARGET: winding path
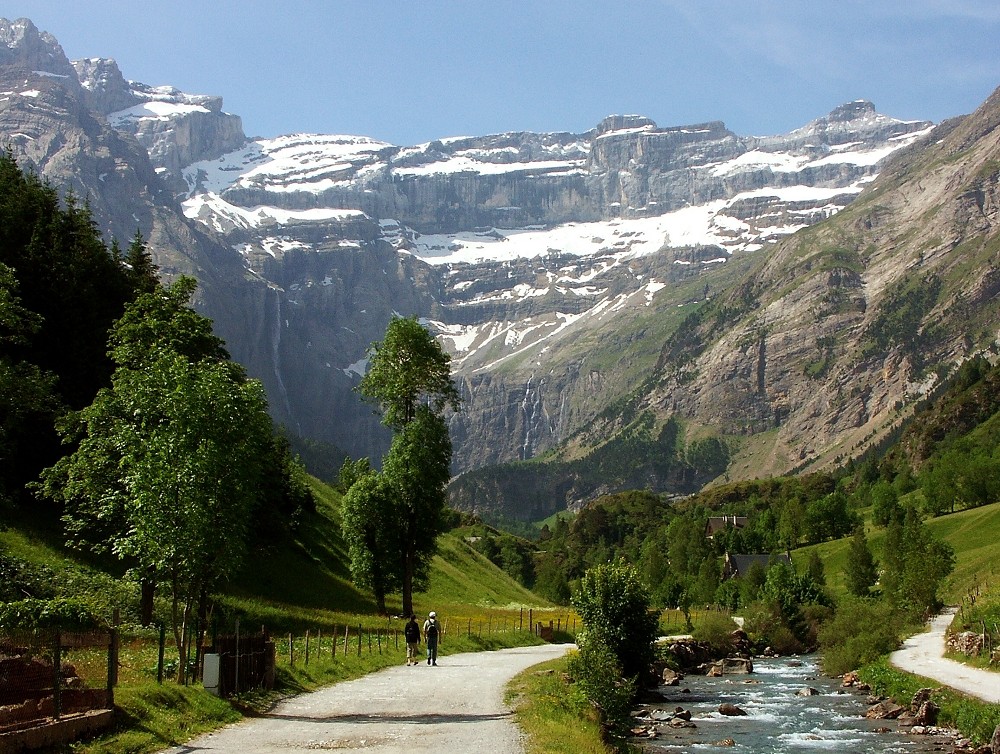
x,y
923,654
456,706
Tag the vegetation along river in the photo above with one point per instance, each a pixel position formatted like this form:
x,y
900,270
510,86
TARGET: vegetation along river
x,y
779,719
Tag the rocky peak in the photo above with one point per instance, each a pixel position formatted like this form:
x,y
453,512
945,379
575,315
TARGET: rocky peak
x,y
852,111
22,45
624,122
106,89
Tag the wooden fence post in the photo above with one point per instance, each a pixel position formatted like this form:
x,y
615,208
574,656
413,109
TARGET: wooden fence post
x,y
291,651
307,647
359,640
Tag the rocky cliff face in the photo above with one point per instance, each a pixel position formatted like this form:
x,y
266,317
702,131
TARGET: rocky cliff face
x,y
48,118
845,325
554,267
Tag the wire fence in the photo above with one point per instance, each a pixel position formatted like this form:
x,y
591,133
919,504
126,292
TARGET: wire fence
x,y
52,675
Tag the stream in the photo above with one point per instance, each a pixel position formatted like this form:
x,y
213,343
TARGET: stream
x,y
778,720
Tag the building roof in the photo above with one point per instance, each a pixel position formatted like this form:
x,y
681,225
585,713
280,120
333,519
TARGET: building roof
x,y
739,564
718,523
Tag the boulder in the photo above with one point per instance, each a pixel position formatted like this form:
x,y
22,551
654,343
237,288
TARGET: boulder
x,y
807,691
887,710
919,698
671,677
737,665
927,714
725,742
850,680
731,710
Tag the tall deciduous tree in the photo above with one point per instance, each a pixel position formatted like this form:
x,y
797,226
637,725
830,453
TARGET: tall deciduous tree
x,y
406,369
169,458
417,469
409,377
369,513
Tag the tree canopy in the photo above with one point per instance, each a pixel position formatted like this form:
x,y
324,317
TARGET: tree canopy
x,y
392,519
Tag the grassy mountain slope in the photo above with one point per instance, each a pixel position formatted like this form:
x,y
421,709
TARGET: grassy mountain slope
x,y
972,533
300,585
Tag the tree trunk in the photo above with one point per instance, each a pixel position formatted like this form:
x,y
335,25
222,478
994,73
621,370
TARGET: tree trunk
x,y
408,568
146,604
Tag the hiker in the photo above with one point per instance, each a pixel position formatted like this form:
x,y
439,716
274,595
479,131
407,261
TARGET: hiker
x,y
412,633
431,631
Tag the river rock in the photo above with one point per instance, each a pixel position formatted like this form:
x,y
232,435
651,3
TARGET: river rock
x,y
731,710
927,714
995,741
737,665
850,680
725,742
680,723
807,691
919,698
887,710
671,677
682,714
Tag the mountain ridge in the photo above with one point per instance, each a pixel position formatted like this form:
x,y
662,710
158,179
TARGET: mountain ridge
x,y
556,268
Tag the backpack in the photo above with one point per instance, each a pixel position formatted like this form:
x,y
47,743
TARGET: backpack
x,y
432,630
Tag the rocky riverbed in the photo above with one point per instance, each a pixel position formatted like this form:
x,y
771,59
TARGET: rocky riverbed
x,y
785,705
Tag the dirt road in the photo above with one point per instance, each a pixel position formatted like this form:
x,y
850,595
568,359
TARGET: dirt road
x,y
923,654
454,707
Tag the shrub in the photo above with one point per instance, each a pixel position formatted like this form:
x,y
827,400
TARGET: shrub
x,y
599,682
862,630
716,630
766,626
613,603
40,614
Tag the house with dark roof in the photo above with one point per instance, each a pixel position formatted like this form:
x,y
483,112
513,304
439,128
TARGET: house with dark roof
x,y
734,566
720,523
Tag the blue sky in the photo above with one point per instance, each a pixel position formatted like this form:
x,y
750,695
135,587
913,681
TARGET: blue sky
x,y
408,71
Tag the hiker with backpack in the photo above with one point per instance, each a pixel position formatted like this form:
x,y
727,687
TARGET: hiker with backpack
x,y
411,631
431,632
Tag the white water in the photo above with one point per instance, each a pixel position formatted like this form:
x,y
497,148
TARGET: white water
x,y
778,720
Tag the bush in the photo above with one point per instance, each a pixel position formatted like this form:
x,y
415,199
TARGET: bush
x,y
599,682
862,630
716,630
766,626
40,614
613,603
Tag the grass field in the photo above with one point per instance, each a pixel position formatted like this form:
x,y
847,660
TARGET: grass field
x,y
974,534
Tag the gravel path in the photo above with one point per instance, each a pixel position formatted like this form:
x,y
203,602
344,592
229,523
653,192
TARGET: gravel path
x,y
923,654
454,707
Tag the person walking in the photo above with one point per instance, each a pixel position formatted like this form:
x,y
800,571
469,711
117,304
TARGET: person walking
x,y
411,631
431,632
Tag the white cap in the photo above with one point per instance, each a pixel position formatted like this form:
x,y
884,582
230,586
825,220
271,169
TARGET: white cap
x,y
432,614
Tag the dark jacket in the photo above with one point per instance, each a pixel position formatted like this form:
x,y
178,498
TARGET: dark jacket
x,y
412,632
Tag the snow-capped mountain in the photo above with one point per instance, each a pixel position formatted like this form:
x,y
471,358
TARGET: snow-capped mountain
x,y
527,240
552,266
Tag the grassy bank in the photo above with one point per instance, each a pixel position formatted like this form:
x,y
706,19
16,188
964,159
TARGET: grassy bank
x,y
556,720
973,718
